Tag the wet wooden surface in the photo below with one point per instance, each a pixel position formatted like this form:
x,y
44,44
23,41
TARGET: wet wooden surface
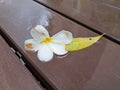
x,y
13,74
102,15
94,68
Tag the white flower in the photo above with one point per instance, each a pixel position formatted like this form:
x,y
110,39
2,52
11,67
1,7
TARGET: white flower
x,y
46,45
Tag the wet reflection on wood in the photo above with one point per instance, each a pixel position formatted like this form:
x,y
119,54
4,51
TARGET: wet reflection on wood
x,y
81,70
103,15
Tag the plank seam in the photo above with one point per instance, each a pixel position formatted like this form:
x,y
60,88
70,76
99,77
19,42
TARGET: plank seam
x,y
80,23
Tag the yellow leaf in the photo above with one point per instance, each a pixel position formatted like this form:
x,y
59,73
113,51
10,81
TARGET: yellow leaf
x,y
81,43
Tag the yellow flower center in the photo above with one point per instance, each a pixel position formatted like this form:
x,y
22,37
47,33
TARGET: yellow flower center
x,y
29,45
47,40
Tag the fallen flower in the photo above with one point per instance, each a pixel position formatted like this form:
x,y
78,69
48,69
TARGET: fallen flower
x,y
46,45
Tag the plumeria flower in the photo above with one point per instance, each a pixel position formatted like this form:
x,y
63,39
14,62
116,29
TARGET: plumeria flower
x,y
46,45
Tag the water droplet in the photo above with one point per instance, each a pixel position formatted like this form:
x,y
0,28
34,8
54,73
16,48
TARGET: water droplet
x,y
61,56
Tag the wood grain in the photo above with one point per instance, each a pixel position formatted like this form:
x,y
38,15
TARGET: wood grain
x,y
102,15
94,68
13,74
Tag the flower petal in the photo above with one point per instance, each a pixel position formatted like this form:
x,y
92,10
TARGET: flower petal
x,y
58,49
31,45
44,53
63,37
39,33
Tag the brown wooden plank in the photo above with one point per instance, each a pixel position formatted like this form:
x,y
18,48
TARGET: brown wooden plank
x,y
14,75
93,68
102,15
